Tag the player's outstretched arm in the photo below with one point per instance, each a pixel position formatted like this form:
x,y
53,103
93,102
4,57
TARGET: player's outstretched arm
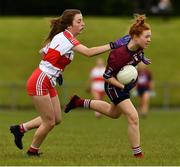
x,y
101,49
89,52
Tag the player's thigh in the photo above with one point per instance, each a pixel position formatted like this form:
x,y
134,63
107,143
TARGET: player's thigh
x,y
57,108
114,111
44,106
128,109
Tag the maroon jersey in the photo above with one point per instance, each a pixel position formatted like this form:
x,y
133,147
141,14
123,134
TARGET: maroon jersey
x,y
120,57
144,79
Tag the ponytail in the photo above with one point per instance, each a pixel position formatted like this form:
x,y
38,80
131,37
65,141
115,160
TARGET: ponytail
x,y
61,23
139,19
139,25
56,28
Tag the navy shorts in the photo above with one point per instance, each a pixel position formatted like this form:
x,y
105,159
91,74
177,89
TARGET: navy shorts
x,y
116,95
142,90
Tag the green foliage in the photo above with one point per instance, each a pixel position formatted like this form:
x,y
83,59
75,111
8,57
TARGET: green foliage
x,y
81,139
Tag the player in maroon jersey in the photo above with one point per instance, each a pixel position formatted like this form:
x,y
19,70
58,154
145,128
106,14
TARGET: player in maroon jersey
x,y
144,87
58,52
131,53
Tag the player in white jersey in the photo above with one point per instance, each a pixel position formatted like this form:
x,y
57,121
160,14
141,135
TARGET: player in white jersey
x,y
97,82
57,54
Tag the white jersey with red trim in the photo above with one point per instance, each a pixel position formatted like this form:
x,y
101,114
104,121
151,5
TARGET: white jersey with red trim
x,y
58,54
97,80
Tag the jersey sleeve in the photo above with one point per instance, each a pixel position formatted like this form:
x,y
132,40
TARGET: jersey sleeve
x,y
108,72
63,42
73,40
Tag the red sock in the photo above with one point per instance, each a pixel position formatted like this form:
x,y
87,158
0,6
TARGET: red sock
x,y
79,102
87,103
83,103
137,152
21,128
33,149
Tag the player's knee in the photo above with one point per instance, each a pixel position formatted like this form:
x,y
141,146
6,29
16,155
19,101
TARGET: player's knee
x,y
50,123
58,117
133,119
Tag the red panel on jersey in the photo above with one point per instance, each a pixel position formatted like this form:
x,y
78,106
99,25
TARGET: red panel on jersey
x,y
73,40
54,57
63,62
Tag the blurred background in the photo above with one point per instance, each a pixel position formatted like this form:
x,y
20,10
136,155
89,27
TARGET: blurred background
x,y
25,24
88,7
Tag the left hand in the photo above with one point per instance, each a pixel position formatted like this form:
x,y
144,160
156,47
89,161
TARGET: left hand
x,y
130,85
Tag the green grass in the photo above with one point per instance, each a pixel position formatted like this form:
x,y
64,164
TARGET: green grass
x,y
81,139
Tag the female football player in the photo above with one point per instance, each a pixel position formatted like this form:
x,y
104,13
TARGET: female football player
x,y
58,52
131,53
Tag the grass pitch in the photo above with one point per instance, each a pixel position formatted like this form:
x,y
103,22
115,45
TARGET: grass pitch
x,y
81,139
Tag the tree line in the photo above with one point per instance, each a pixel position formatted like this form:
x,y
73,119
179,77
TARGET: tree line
x,y
88,7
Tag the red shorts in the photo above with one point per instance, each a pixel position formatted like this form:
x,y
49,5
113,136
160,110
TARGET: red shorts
x,y
39,84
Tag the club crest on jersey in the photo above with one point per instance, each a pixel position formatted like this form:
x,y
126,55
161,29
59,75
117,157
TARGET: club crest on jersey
x,y
135,59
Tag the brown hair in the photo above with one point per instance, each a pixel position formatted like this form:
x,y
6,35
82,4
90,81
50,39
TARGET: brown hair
x,y
139,25
61,23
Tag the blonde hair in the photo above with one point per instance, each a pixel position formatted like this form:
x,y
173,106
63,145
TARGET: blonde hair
x,y
138,26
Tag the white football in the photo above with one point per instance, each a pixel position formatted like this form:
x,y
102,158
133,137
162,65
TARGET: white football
x,y
127,74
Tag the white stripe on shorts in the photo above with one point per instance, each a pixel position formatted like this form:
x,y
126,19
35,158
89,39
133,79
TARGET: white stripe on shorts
x,y
39,83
